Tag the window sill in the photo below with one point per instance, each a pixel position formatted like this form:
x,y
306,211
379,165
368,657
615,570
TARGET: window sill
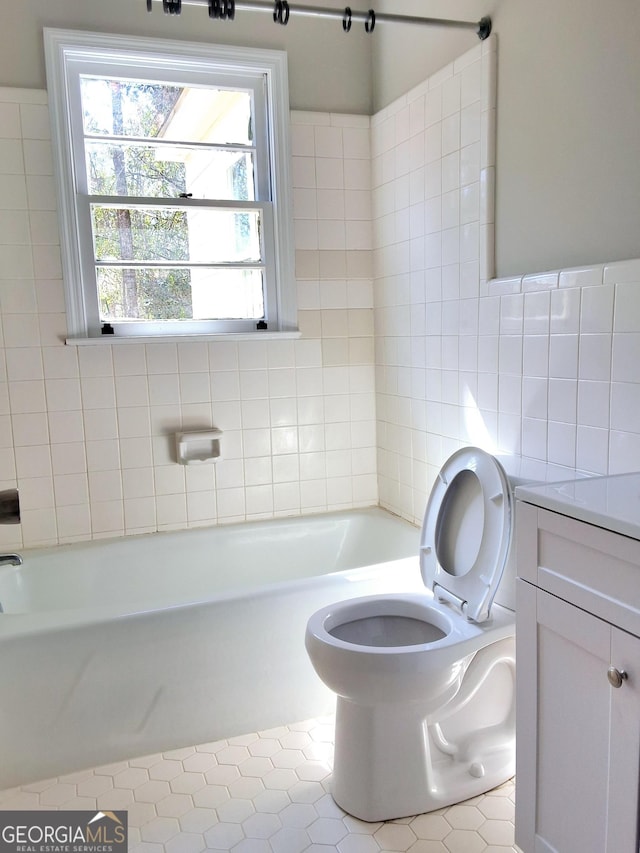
x,y
172,339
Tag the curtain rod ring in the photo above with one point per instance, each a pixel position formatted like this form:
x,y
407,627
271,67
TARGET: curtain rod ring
x,y
223,10
346,19
370,23
172,7
281,12
149,5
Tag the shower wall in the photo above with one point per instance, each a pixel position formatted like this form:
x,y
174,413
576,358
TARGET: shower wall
x,y
87,432
543,365
394,212
433,159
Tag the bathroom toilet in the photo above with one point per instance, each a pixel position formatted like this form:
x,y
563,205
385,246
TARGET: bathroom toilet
x,y
425,712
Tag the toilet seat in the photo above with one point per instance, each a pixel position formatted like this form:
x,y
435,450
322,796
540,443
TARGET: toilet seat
x,y
466,532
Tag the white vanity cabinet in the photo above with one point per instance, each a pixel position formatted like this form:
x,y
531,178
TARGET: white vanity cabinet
x,y
578,667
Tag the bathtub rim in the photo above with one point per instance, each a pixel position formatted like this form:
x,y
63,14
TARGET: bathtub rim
x,y
15,624
45,621
257,521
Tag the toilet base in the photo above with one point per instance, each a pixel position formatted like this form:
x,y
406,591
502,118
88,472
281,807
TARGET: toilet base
x,y
394,760
387,763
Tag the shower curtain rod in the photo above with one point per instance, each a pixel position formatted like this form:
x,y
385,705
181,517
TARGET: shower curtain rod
x,y
282,9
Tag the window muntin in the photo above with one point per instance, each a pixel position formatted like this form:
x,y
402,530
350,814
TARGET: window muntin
x,y
179,189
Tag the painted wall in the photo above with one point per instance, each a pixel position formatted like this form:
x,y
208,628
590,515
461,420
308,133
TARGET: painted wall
x,y
424,49
327,70
568,184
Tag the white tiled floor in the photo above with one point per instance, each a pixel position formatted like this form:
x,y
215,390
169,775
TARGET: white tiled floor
x,y
265,792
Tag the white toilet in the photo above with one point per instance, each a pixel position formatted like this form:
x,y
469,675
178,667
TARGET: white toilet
x,y
425,711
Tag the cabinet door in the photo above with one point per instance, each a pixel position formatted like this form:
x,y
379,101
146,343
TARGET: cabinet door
x,y
624,757
577,737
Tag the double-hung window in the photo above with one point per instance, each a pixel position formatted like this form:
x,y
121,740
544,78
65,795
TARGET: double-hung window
x,y
173,169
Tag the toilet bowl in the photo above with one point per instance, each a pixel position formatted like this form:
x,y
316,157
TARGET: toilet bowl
x,y
425,682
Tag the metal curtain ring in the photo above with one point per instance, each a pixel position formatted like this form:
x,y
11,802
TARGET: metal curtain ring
x,y
281,12
172,7
214,9
230,9
370,23
149,5
346,19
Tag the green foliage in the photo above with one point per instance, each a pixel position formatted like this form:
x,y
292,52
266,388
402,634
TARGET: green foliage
x,y
156,234
162,294
129,108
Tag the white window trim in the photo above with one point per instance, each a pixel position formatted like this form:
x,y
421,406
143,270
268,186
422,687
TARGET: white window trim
x,y
64,46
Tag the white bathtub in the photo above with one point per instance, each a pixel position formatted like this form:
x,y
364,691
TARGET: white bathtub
x,y
119,648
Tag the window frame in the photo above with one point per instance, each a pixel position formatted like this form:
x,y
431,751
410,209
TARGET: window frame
x,y
70,53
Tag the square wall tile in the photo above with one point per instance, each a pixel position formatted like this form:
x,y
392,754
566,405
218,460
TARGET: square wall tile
x,y
565,310
627,307
563,356
34,121
625,365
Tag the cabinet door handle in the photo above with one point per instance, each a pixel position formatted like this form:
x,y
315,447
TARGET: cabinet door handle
x,y
616,677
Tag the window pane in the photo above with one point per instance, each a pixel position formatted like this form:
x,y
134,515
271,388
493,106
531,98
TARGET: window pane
x,y
128,169
212,115
153,294
159,234
137,108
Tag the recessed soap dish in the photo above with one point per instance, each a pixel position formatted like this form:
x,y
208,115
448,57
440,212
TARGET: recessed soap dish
x,y
200,446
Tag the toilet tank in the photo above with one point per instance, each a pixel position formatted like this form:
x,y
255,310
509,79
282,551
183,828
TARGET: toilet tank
x,y
522,472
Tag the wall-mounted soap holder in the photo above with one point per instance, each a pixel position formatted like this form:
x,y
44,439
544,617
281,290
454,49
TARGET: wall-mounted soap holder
x,y
199,446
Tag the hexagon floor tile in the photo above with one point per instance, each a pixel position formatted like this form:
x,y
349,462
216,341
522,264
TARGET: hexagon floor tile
x,y
267,792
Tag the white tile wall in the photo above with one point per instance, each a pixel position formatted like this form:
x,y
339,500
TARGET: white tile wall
x,y
398,207
86,433
433,168
581,397
545,365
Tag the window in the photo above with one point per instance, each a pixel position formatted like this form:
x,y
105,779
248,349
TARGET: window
x,y
173,169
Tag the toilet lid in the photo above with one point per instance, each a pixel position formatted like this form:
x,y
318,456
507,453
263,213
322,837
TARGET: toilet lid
x,y
467,532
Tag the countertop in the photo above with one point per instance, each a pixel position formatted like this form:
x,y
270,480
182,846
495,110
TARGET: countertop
x,y
610,502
